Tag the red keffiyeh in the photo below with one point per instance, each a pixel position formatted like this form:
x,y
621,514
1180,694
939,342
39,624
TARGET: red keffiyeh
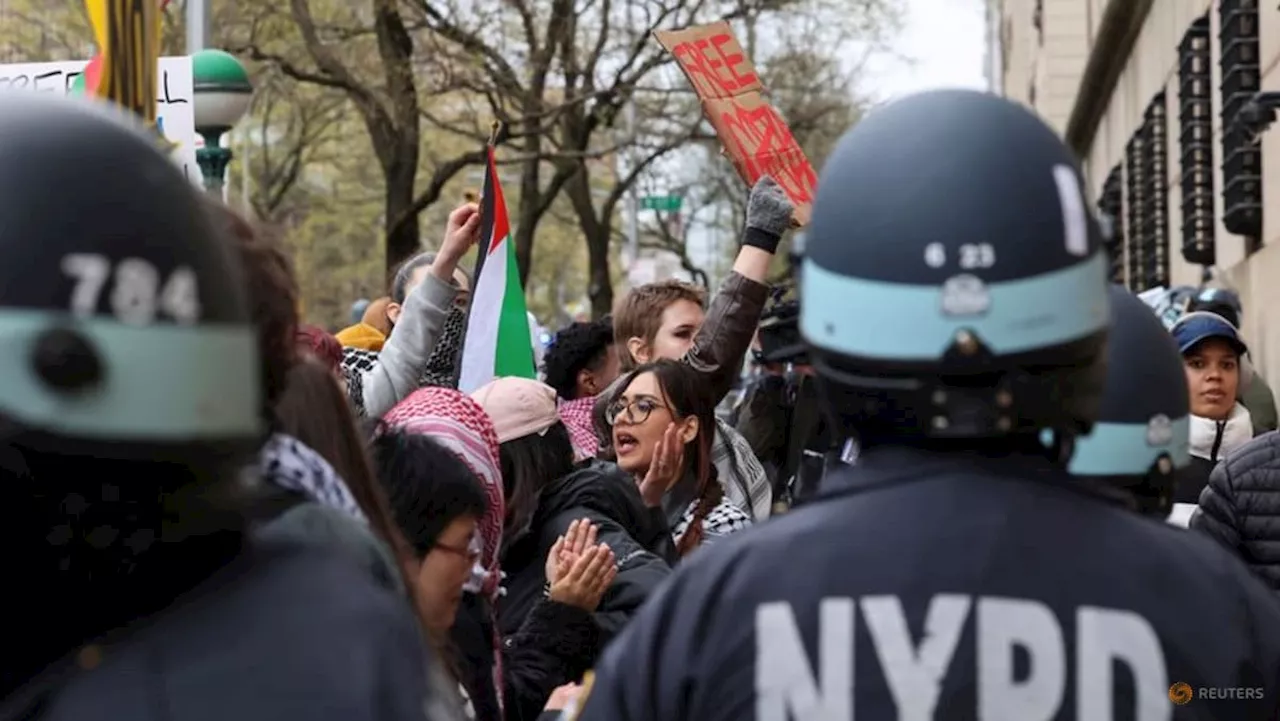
x,y
455,420
576,416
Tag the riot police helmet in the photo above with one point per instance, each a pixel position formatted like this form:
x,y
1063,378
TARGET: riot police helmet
x,y
126,328
1223,301
954,279
1140,439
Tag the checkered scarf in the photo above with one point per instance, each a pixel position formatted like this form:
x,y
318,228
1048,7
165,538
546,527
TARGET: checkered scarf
x,y
746,485
291,464
576,416
724,519
455,420
440,369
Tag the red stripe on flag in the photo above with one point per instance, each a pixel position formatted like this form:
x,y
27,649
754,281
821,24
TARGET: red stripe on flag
x,y
93,75
501,226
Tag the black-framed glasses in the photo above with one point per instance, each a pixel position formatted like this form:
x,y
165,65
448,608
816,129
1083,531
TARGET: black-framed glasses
x,y
638,411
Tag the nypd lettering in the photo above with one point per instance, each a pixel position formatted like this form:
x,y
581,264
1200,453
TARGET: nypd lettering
x,y
788,687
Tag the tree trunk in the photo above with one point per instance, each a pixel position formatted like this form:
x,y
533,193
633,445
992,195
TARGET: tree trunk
x,y
600,285
528,214
596,234
526,220
405,241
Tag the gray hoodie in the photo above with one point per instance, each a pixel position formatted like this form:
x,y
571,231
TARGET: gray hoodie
x,y
404,354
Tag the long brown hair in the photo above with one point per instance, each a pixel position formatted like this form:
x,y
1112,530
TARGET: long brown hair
x,y
314,410
273,293
687,394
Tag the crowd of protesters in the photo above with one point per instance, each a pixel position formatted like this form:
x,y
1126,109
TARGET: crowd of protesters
x,y
364,540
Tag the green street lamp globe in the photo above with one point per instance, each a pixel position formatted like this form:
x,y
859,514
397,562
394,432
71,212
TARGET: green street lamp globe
x,y
222,97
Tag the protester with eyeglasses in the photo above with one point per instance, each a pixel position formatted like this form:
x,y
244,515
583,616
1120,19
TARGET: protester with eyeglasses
x,y
546,494
437,504
663,423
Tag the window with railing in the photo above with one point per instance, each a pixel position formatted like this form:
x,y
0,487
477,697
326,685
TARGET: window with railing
x,y
1241,155
1195,144
1155,227
1135,207
1111,208
1147,200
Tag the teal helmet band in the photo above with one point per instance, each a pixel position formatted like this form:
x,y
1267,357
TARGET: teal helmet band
x,y
159,384
1142,436
1133,449
124,319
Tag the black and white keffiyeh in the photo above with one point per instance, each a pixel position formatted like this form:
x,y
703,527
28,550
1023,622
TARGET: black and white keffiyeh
x,y
440,370
724,519
289,463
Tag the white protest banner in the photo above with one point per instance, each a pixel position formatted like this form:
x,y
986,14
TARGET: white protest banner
x,y
175,114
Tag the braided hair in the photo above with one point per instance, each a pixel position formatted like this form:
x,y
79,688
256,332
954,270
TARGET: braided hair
x,y
575,347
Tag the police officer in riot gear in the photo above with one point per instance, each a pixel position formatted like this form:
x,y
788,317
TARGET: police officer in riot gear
x,y
129,402
955,306
1140,438
779,415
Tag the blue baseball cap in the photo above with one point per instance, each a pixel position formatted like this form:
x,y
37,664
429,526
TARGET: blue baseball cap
x,y
1197,327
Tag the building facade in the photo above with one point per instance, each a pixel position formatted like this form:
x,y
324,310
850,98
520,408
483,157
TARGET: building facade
x,y
1169,105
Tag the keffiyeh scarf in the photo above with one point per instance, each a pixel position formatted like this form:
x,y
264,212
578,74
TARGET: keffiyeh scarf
x,y
576,416
455,420
291,464
440,369
458,422
442,365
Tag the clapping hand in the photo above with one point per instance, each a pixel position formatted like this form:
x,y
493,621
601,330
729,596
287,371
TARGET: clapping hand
x,y
567,548
587,580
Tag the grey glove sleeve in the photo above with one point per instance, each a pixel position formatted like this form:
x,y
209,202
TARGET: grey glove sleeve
x,y
768,215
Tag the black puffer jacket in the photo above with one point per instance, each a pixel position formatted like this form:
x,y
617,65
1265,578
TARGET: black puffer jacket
x,y
608,497
555,645
1241,506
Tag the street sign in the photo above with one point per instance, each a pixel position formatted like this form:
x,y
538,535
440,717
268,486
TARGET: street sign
x,y
670,203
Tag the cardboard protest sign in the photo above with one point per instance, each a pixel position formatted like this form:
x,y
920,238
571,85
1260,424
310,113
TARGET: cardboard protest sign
x,y
174,96
755,138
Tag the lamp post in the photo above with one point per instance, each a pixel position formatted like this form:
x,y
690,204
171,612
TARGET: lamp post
x,y
222,96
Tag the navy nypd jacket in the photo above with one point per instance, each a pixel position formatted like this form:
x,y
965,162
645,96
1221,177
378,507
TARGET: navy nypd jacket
x,y
929,586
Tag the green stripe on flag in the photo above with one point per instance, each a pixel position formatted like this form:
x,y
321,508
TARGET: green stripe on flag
x,y
513,356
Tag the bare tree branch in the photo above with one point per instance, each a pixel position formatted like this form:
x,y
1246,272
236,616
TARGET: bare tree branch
x,y
443,173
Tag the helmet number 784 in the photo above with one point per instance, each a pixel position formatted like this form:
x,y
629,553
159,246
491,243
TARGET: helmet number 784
x,y
137,295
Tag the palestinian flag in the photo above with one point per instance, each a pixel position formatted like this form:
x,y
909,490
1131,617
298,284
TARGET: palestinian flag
x,y
498,343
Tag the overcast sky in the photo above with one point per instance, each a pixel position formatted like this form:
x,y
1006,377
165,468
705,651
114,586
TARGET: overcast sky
x,y
942,44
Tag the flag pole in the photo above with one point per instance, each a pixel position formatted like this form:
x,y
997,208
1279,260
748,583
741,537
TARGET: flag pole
x,y
486,211
496,136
